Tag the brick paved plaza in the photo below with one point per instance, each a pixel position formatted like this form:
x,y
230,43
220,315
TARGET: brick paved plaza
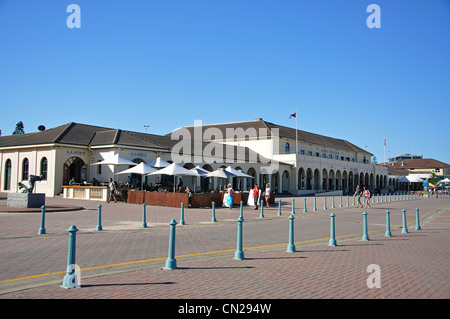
x,y
125,260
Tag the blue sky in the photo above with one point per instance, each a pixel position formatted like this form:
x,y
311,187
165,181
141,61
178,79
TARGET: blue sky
x,y
167,63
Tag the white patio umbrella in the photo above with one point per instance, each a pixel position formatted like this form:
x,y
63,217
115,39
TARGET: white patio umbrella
x,y
237,173
404,179
199,170
221,173
141,169
116,160
410,179
415,179
174,170
158,162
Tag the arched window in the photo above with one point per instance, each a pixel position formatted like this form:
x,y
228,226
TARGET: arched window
x,y
74,167
287,148
7,185
44,164
25,165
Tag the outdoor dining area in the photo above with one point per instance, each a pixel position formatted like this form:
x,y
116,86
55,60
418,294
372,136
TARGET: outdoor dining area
x,y
170,191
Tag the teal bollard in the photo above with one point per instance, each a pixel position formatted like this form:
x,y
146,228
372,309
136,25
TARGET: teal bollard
x,y
304,205
293,206
389,197
388,225
144,216
99,218
378,198
340,201
405,228
279,207
325,203
365,235
332,241
348,204
239,254
171,262
261,215
213,219
42,228
315,205
182,215
70,280
332,201
353,203
241,213
291,246
417,220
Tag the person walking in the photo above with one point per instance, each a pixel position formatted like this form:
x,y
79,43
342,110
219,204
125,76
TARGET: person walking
x,y
366,194
358,196
267,194
256,195
112,190
230,192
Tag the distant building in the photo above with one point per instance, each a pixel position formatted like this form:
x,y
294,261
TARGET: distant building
x,y
404,157
422,166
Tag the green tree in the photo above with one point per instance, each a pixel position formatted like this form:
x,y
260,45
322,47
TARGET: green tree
x,y
19,128
433,179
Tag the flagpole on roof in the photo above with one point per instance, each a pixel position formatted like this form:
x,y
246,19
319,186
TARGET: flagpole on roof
x,y
296,147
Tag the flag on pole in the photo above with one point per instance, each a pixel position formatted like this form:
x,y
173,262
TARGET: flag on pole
x,y
293,115
384,141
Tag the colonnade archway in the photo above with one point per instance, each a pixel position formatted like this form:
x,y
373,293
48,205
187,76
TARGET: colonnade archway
x,y
339,179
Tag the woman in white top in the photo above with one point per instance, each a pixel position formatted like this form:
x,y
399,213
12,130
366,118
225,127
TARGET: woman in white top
x,y
112,189
267,195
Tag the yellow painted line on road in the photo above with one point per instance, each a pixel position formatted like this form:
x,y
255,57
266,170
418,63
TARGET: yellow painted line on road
x,y
31,277
205,253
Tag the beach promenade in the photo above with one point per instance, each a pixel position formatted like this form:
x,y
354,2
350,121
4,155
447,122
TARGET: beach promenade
x,y
126,260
